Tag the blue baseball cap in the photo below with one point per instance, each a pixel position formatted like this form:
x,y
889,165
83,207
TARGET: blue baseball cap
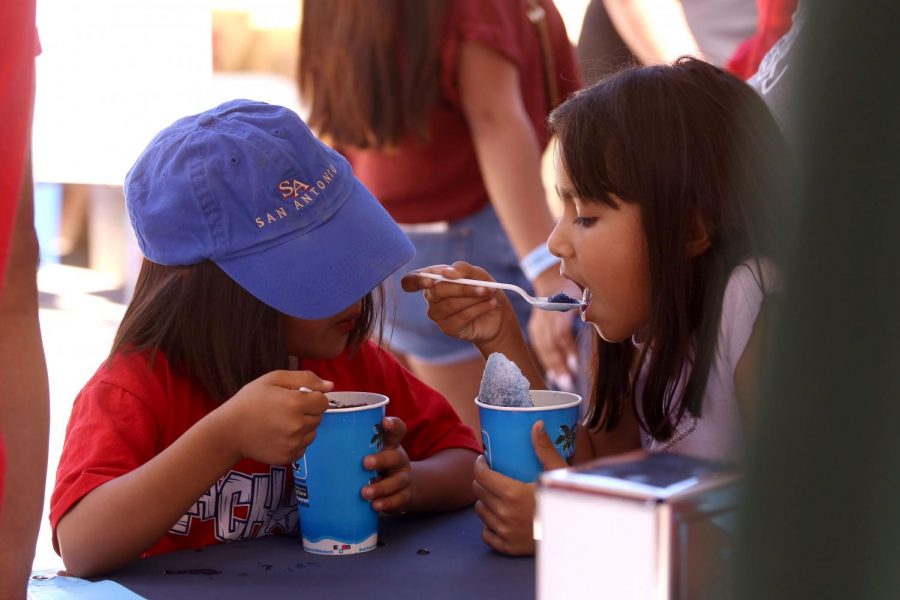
x,y
248,186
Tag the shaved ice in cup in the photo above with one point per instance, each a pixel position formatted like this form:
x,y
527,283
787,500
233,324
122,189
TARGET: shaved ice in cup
x,y
503,384
507,410
328,479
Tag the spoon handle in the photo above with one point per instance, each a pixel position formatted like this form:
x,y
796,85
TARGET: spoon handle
x,y
474,282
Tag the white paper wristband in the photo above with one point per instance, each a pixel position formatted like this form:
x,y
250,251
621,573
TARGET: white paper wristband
x,y
537,261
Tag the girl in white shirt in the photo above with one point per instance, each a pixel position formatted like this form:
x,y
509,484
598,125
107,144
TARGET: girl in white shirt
x,y
667,176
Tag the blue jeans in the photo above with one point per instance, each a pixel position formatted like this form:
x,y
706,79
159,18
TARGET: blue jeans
x,y
477,239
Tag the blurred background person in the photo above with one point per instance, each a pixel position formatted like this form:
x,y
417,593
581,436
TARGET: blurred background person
x,y
24,395
659,31
777,74
773,21
734,34
440,106
601,50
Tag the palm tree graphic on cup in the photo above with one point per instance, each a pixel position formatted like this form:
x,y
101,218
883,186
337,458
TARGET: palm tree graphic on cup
x,y
378,442
378,438
565,442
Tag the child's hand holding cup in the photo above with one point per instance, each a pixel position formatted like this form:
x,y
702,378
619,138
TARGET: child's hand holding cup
x,y
331,476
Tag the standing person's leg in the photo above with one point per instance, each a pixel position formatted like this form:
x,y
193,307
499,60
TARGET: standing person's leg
x,y
24,403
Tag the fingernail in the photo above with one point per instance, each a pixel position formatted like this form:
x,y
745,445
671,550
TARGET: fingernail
x,y
303,389
572,362
565,382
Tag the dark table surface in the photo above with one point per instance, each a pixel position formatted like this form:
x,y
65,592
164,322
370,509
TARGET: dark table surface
x,y
430,557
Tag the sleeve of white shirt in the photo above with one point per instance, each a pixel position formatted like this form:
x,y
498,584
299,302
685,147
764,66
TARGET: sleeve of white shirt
x,y
741,303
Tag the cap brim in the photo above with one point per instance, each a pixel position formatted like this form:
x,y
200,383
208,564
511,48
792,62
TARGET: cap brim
x,y
319,273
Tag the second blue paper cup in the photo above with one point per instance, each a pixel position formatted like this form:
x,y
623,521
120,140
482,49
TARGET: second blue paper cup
x,y
329,477
506,432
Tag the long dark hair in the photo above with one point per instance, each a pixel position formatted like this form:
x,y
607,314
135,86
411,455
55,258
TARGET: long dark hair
x,y
369,70
691,145
210,328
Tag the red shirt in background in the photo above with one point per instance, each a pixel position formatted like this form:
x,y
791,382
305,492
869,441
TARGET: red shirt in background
x,y
2,470
129,412
20,45
440,180
774,21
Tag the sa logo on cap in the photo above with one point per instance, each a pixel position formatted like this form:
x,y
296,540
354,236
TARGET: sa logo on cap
x,y
292,188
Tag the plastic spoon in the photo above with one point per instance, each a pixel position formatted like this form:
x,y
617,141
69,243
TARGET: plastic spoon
x,y
538,302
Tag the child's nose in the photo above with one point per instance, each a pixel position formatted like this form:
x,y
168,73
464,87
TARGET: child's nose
x,y
557,242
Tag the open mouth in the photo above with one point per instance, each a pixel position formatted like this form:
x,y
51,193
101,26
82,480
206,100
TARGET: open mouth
x,y
585,296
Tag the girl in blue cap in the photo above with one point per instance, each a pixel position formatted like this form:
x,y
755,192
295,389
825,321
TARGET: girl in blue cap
x,y
668,176
263,259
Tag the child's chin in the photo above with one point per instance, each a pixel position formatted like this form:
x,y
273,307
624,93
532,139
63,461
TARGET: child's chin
x,y
607,335
326,352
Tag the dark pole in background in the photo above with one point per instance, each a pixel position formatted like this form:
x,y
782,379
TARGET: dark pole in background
x,y
822,505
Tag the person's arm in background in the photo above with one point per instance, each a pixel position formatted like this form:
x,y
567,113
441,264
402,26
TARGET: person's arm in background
x,y
601,49
24,403
510,160
657,31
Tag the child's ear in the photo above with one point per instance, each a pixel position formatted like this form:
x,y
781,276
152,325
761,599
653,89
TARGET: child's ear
x,y
698,237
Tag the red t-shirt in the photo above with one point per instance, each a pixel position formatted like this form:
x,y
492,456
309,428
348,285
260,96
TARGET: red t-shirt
x,y
2,470
16,102
437,181
20,46
774,21
129,412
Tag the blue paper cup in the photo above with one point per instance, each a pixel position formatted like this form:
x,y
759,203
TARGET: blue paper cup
x,y
506,432
329,477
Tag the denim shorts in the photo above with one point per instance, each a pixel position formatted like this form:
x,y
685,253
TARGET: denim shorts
x,y
477,239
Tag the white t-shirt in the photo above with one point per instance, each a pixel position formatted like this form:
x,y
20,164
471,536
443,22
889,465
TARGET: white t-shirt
x,y
719,434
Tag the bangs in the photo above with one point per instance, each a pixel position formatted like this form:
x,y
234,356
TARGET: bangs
x,y
591,147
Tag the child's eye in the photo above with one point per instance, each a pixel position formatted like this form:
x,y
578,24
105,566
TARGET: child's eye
x,y
585,221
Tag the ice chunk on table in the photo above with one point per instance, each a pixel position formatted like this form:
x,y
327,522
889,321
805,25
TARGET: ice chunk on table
x,y
503,384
